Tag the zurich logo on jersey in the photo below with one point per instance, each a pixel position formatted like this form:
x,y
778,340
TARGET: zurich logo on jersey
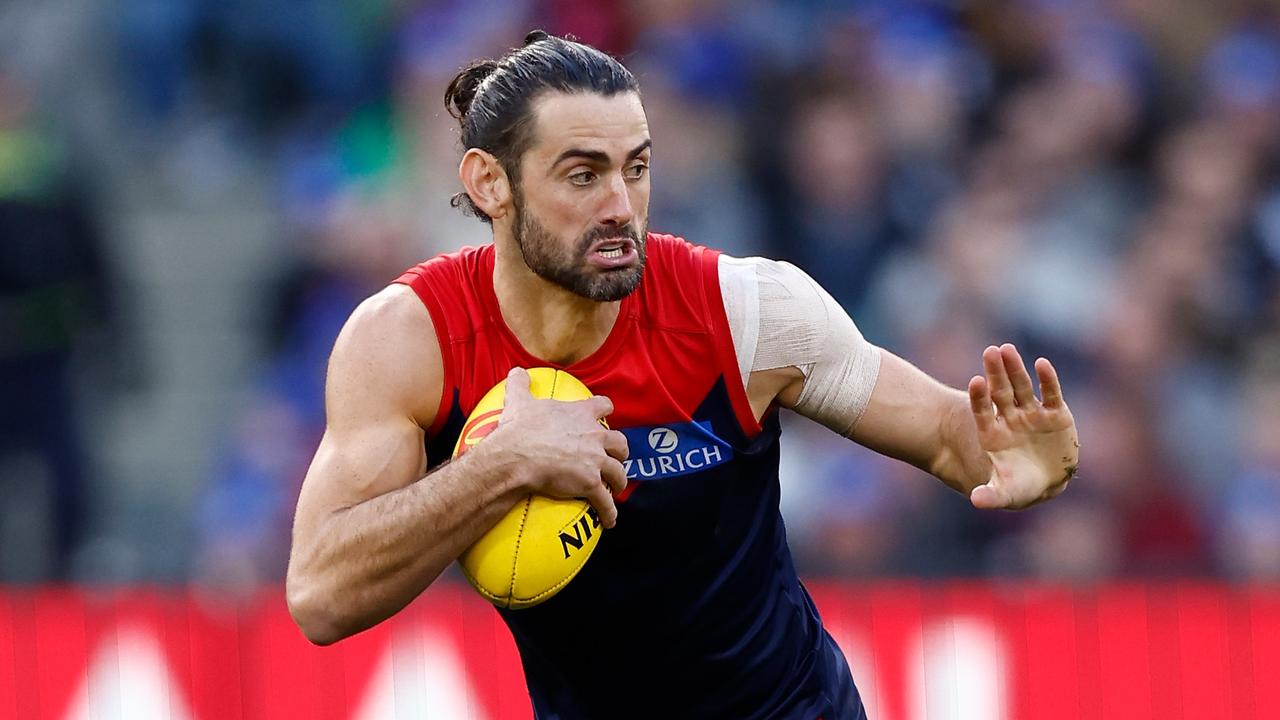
x,y
663,439
672,450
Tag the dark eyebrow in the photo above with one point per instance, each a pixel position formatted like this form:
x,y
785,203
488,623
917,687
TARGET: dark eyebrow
x,y
598,157
648,143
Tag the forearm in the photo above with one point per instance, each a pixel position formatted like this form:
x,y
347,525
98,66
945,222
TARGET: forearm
x,y
959,460
365,562
916,419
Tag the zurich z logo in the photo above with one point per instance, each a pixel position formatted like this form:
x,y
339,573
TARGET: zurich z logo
x,y
673,450
663,439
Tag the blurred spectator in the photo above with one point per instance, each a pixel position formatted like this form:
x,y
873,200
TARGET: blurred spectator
x,y
1242,84
1249,542
53,292
1074,541
698,193
360,243
692,48
271,62
158,39
604,24
835,165
842,504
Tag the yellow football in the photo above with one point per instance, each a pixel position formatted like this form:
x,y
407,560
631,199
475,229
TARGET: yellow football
x,y
542,543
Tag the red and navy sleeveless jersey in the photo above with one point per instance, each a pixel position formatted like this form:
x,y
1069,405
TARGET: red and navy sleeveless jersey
x,y
690,606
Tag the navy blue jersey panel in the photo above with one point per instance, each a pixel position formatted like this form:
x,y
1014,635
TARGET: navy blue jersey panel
x,y
690,606
440,447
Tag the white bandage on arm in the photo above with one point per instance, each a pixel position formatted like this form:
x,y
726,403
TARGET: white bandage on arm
x,y
779,317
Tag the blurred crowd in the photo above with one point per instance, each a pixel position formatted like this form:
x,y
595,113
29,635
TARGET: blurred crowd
x,y
54,296
1094,180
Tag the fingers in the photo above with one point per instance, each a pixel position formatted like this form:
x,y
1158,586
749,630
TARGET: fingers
x,y
602,501
980,403
1050,388
998,379
1023,392
601,406
614,475
615,443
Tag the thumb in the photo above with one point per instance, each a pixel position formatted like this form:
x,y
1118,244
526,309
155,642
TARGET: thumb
x,y
517,391
988,497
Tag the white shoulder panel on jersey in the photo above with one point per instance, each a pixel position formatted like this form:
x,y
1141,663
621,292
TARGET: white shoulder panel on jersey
x,y
780,317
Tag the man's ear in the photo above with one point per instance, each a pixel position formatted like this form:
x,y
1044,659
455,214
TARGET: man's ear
x,y
486,182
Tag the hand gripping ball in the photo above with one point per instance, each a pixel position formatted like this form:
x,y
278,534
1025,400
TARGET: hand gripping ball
x,y
542,542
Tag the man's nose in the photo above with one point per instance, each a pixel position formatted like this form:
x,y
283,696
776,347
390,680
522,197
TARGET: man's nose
x,y
617,208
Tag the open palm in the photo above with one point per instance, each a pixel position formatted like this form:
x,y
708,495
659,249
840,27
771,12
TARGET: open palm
x,y
1031,441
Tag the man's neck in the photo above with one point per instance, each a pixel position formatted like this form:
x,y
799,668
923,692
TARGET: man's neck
x,y
550,322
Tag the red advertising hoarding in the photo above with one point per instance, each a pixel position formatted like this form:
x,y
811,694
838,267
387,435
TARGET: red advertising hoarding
x,y
919,651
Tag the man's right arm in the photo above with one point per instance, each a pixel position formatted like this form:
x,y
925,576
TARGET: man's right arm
x,y
370,532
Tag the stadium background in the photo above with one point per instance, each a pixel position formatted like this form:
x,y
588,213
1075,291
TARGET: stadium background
x,y
195,193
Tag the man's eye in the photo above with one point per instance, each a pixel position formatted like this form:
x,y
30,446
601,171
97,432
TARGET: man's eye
x,y
635,172
582,178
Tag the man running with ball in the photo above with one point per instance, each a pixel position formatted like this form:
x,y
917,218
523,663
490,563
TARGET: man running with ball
x,y
690,606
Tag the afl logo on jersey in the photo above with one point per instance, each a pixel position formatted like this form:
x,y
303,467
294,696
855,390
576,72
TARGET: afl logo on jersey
x,y
664,440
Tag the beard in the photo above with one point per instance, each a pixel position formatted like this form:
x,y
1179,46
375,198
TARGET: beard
x,y
550,260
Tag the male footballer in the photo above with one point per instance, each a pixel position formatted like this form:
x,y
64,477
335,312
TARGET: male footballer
x,y
690,606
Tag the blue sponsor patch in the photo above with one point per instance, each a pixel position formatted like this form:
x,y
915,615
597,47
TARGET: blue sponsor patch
x,y
664,451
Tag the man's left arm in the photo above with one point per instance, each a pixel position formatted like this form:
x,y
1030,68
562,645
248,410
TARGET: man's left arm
x,y
999,444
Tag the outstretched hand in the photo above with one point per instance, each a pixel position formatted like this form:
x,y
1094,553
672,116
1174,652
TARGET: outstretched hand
x,y
1032,442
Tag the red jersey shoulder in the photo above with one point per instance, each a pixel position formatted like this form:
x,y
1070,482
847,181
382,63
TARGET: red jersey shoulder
x,y
674,293
450,268
447,284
